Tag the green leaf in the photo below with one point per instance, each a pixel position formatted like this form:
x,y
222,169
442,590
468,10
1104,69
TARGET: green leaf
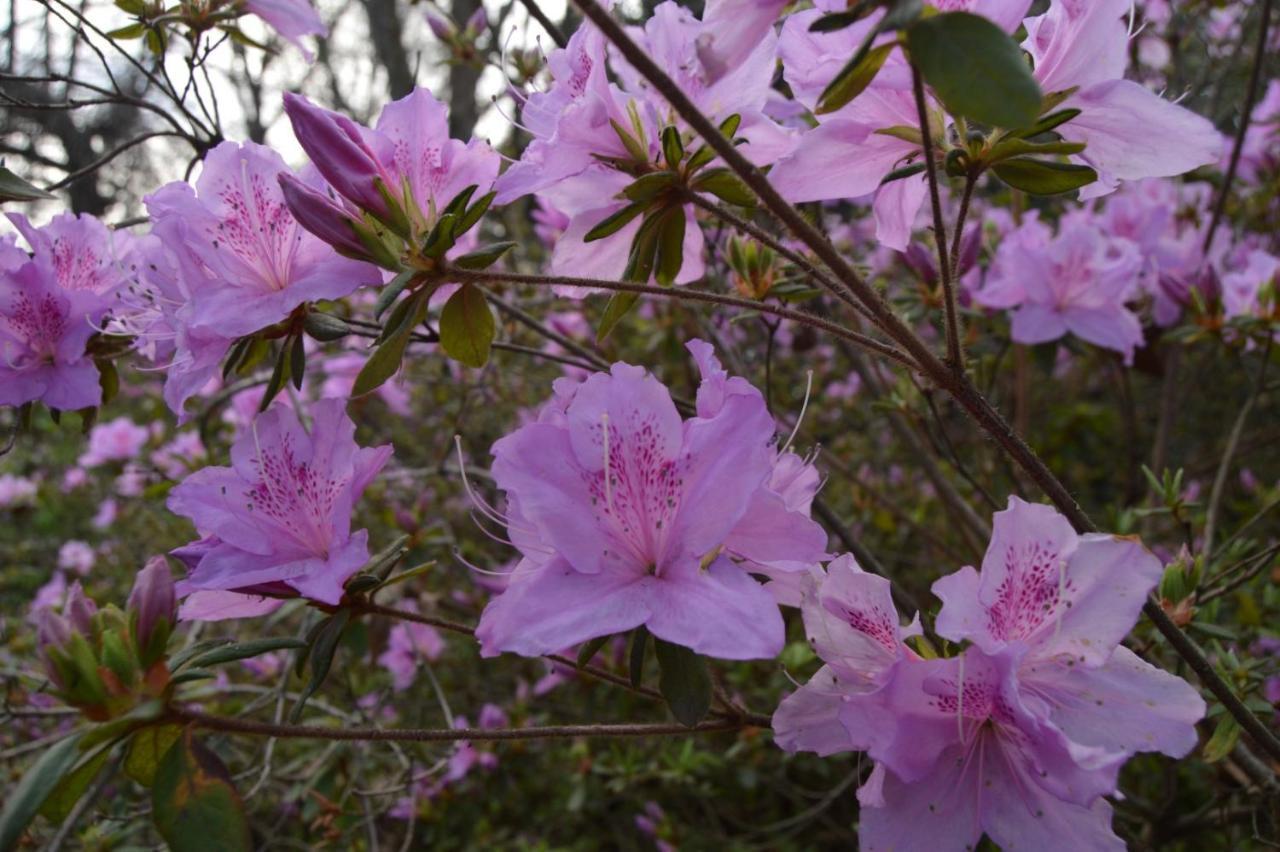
x,y
644,249
14,188
132,31
1224,739
327,634
194,804
854,78
467,327
23,801
590,648
619,305
484,257
904,172
636,654
184,656
473,213
684,682
385,360
840,20
1044,177
297,361
245,650
648,187
725,185
459,202
73,785
442,237
108,379
147,747
1049,122
975,69
1007,149
670,255
324,327
672,147
633,145
279,375
613,223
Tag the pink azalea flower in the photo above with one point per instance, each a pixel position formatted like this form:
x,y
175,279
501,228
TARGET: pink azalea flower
x,y
625,514
258,264
76,556
1131,132
407,645
1077,282
405,169
292,19
1020,736
84,253
572,124
277,522
116,440
17,490
43,332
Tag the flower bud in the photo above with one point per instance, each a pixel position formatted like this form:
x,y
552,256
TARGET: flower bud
x,y
321,216
338,148
478,21
79,610
52,630
442,28
152,609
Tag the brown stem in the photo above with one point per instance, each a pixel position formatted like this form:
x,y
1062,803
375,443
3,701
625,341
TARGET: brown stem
x,y
954,356
235,725
685,294
957,239
949,380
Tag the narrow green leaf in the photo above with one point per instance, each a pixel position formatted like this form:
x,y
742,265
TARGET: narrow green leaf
x,y
381,563
467,220
1044,177
385,360
459,202
904,172
633,145
1224,739
1049,122
590,648
23,801
636,655
441,238
467,327
672,147
279,375
840,20
648,187
321,657
618,306
245,650
194,804
74,784
685,682
185,656
854,78
14,188
725,185
129,32
146,748
613,223
484,257
1007,149
975,69
644,249
670,256
297,361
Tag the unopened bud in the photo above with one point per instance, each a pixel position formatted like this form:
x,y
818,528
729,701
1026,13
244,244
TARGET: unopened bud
x,y
152,609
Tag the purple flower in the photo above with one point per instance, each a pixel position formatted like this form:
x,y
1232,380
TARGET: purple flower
x,y
407,645
84,253
624,514
403,171
576,148
259,264
1077,282
43,332
116,440
1021,735
1131,132
278,521
292,19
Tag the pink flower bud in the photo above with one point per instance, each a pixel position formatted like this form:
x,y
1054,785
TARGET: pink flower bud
x,y
79,610
321,216
152,608
478,21
442,28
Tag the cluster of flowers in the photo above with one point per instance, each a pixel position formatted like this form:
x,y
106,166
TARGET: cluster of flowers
x,y
1020,734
